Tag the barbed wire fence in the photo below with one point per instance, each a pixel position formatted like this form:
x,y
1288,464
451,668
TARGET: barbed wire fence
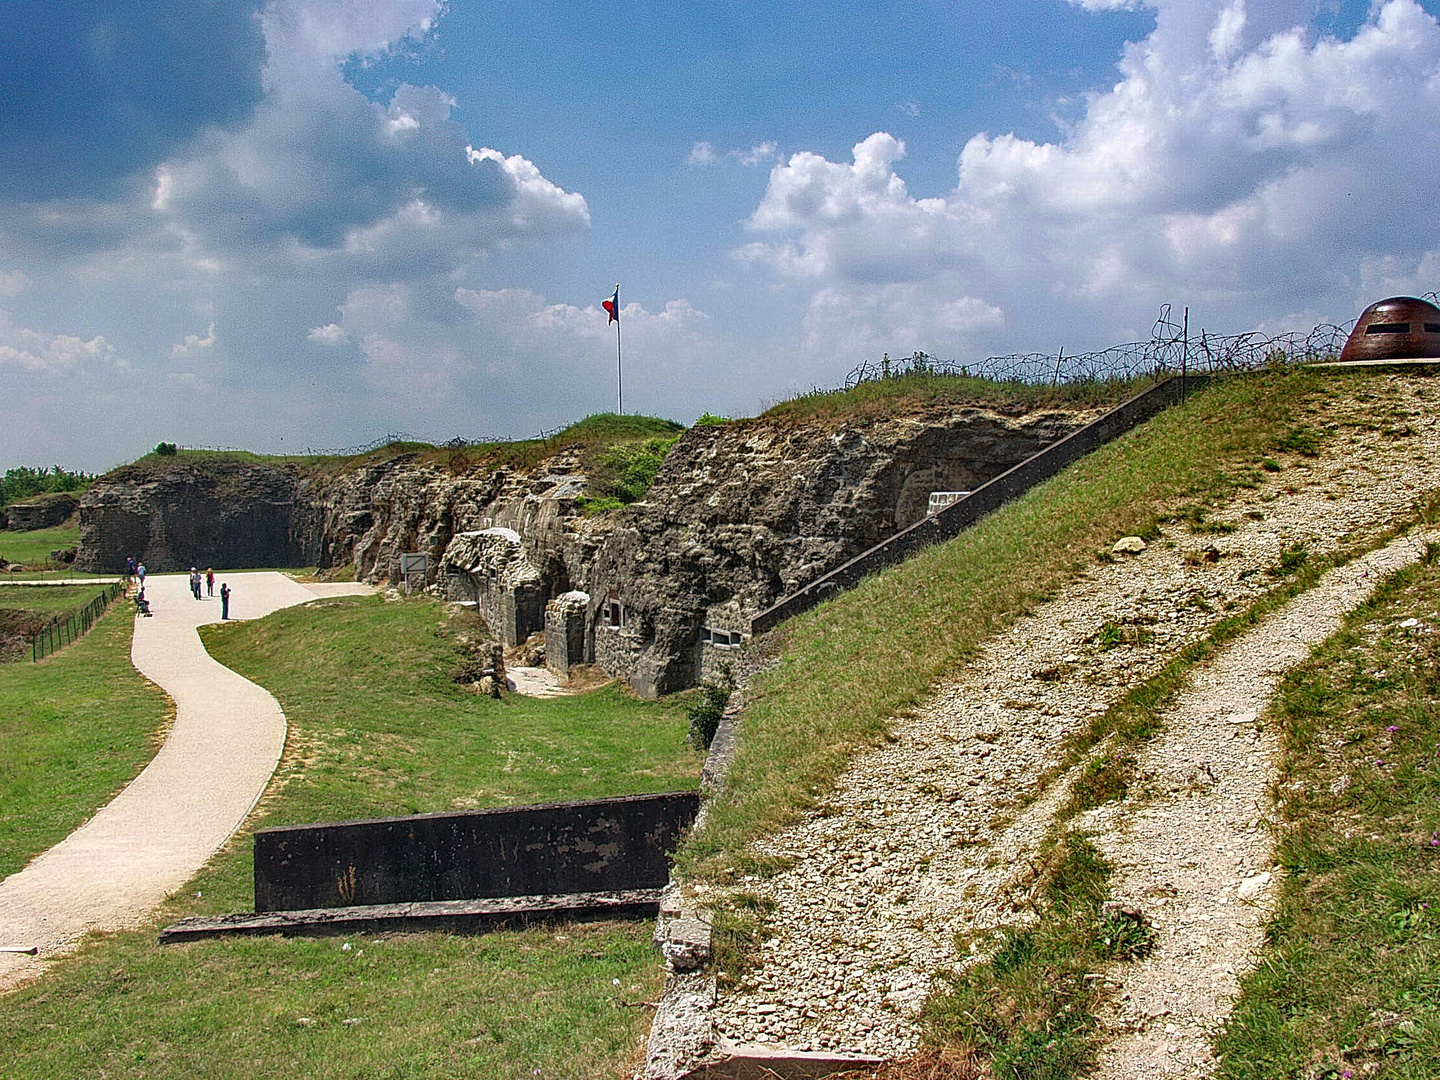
x,y
1169,350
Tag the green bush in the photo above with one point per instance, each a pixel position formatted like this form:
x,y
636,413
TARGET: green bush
x,y
709,706
166,449
625,472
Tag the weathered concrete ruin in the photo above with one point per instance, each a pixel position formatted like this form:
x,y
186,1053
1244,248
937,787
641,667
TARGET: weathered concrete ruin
x,y
740,516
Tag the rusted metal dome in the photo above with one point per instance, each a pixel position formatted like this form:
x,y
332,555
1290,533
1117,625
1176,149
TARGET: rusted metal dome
x,y
1400,328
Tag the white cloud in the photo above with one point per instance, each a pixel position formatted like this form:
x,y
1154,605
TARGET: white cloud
x,y
13,283
332,30
704,153
417,375
322,175
329,334
43,352
520,314
193,344
909,108
757,154
1241,161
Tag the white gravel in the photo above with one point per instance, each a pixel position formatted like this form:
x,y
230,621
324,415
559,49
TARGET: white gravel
x,y
922,849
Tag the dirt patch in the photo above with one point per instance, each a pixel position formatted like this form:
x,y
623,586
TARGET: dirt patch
x,y
17,628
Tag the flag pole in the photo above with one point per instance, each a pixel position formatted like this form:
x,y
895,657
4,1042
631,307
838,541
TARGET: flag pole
x,y
619,369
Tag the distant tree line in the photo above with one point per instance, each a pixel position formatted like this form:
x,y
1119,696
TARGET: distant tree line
x,y
22,482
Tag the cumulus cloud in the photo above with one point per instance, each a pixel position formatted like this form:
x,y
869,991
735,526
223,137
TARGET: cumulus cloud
x,y
193,344
323,170
1242,159
704,153
329,334
304,170
47,353
520,314
424,346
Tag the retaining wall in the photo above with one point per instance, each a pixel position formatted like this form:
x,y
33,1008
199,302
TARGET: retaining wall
x,y
601,845
960,515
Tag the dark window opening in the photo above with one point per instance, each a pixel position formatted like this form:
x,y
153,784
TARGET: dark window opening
x,y
1432,328
1387,328
614,616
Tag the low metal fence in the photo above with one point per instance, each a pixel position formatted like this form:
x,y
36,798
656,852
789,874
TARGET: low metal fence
x,y
64,629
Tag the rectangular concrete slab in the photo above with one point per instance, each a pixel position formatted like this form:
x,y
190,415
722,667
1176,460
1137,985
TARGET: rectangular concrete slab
x,y
449,916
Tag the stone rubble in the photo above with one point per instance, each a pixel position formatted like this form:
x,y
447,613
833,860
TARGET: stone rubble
x,y
922,850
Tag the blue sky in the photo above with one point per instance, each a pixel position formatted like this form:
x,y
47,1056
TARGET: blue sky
x,y
306,223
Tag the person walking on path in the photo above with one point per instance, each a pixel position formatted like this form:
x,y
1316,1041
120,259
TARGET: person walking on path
x,y
195,583
224,601
210,581
140,572
129,569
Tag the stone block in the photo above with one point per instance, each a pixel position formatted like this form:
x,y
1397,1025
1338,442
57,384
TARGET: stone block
x,y
565,631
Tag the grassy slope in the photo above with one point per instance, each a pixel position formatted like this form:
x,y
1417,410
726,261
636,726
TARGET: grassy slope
x,y
48,599
377,727
1350,979
75,728
33,548
594,434
840,677
882,397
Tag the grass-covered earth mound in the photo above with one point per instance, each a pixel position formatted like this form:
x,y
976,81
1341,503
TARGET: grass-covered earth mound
x,y
593,436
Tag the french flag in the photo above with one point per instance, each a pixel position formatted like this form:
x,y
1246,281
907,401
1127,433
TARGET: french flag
x,y
613,306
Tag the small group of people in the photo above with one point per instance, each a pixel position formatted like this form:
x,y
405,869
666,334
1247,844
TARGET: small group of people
x,y
195,579
135,571
209,579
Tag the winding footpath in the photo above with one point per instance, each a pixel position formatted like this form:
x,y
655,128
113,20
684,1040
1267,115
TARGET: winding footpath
x,y
197,791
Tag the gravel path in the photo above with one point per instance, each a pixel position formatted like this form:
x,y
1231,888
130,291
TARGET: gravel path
x,y
1192,850
923,848
152,837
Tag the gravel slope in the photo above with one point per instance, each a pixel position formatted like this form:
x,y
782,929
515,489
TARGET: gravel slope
x,y
922,848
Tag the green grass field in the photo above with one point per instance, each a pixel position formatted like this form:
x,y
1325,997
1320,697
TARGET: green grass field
x,y
74,729
48,599
377,726
32,550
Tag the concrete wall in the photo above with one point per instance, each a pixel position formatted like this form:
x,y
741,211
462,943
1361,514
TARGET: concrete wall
x,y
594,846
565,632
958,516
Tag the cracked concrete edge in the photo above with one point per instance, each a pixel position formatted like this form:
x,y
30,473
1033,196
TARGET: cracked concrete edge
x,y
682,1033
683,1042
